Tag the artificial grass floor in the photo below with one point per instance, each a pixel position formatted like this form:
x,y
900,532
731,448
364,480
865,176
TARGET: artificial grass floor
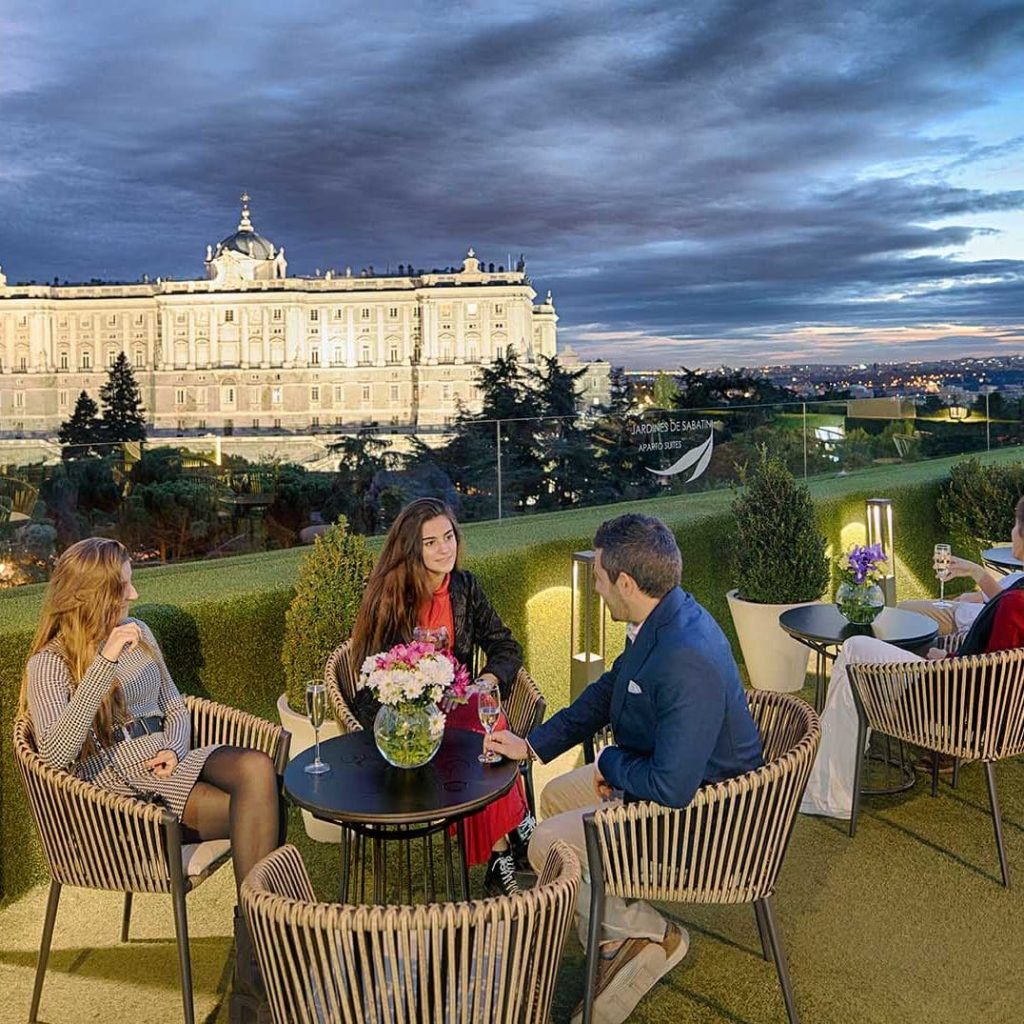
x,y
908,922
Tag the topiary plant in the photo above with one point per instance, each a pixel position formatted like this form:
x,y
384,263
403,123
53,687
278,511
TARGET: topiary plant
x,y
779,556
320,618
976,504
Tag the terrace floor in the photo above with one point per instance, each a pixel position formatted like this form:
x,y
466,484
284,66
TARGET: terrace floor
x,y
906,923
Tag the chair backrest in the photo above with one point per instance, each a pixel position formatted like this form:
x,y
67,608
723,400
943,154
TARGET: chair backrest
x,y
968,707
216,723
490,960
727,846
340,681
92,837
525,705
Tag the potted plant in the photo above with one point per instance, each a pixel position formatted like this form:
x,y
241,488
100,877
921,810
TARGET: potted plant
x,y
330,586
779,563
859,597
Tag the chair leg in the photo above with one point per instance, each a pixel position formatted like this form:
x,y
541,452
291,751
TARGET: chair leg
x,y
531,800
345,850
935,773
126,916
460,831
184,957
858,770
596,872
997,821
779,955
762,931
956,773
44,948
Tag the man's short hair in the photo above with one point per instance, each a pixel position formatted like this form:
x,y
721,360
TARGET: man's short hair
x,y
642,547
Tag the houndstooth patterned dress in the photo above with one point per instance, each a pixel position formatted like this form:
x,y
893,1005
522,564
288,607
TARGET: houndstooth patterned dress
x,y
61,725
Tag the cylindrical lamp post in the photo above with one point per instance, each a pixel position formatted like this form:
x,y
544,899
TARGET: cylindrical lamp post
x,y
878,512
586,626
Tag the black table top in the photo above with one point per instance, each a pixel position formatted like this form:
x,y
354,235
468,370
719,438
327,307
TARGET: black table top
x,y
363,788
1002,558
823,624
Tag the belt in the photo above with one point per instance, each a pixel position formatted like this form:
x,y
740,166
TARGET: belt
x,y
136,727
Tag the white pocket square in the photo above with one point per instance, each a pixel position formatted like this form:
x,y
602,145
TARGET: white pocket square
x,y
633,687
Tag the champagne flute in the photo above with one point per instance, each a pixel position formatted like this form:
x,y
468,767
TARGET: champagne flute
x,y
488,708
941,557
316,708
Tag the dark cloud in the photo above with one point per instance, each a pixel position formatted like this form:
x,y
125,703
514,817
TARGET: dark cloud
x,y
700,169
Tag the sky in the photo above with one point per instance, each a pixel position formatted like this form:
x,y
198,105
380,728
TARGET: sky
x,y
698,182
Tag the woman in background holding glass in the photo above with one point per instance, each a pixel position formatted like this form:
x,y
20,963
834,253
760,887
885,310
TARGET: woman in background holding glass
x,y
416,589
830,788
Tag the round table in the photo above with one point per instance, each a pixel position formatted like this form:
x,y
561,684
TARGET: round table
x,y
372,799
822,628
1002,559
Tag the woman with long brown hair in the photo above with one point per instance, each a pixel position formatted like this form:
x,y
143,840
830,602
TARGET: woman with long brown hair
x,y
103,706
416,582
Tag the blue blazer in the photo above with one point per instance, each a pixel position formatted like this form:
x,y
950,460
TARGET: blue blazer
x,y
675,703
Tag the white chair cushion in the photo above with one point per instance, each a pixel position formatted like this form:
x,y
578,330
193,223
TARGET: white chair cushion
x,y
198,858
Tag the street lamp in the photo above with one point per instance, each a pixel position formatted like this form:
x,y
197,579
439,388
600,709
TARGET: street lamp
x,y
878,512
586,626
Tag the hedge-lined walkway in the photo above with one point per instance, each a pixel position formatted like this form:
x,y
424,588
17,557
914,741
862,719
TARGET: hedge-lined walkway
x,y
906,924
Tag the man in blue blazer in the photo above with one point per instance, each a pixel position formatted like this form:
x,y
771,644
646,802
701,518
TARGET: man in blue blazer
x,y
680,718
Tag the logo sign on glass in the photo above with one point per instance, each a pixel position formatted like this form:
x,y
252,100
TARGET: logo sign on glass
x,y
672,446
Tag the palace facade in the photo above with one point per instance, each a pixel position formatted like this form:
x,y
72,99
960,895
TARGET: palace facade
x,y
250,349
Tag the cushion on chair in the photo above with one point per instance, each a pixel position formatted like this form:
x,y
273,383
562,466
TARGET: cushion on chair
x,y
201,858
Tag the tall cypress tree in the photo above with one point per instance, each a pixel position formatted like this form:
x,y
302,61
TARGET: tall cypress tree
x,y
81,434
123,412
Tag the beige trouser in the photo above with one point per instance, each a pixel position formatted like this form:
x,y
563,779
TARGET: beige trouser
x,y
563,803
943,616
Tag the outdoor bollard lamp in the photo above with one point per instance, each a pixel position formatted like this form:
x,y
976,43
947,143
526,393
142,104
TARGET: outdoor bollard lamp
x,y
878,512
586,626
958,412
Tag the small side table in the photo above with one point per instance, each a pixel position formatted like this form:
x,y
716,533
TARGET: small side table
x,y
1001,559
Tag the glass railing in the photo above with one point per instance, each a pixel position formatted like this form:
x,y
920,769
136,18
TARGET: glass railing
x,y
173,498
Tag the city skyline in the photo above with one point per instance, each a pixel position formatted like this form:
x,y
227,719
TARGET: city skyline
x,y
698,183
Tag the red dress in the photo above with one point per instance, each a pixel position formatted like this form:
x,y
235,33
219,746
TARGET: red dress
x,y
500,817
1008,623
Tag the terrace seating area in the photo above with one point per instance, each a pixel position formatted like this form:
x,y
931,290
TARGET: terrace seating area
x,y
908,920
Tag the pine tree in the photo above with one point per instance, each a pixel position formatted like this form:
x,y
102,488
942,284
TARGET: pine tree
x,y
81,434
123,413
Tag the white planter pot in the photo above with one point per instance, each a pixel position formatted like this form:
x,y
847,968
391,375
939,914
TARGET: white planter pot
x,y
302,739
774,660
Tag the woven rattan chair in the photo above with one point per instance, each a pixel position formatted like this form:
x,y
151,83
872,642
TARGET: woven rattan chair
x,y
492,960
524,707
96,839
725,847
971,708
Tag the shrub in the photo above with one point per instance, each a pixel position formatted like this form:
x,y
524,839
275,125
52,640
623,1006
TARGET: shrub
x,y
779,555
976,504
327,595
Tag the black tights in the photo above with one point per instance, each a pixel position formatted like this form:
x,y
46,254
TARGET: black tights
x,y
236,798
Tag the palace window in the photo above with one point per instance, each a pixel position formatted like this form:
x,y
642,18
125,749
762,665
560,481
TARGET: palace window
x,y
338,313
227,394
86,361
364,356
179,396
277,424
278,314
111,357
19,399
339,392
316,422
229,316
471,308
22,363
394,392
364,313
314,356
140,358
393,312
366,393
393,354
314,315
337,358
499,309
314,393
62,399
256,424
275,396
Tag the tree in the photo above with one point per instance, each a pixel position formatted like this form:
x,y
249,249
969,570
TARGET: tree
x,y
81,434
665,393
123,412
362,457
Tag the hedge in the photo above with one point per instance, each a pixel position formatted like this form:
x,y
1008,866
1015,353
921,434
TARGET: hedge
x,y
221,624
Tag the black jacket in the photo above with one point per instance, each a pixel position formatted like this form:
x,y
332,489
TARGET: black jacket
x,y
478,629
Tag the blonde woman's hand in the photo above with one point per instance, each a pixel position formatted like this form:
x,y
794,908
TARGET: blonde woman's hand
x,y
163,764
961,567
122,638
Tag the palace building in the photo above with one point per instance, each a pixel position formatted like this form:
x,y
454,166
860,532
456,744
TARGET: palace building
x,y
249,349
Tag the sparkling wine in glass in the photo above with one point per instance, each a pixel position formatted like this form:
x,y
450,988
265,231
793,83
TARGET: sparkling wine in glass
x,y
488,708
941,558
316,709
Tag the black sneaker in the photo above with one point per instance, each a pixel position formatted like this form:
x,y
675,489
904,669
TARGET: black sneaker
x,y
500,879
519,840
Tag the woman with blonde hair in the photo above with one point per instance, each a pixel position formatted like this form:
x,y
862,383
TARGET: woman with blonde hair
x,y
103,706
416,584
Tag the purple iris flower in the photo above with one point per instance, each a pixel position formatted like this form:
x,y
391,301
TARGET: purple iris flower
x,y
864,560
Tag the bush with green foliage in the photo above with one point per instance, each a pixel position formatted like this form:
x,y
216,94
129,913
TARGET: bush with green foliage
x,y
779,554
976,504
320,618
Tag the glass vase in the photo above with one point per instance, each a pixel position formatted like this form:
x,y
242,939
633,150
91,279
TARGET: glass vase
x,y
860,603
408,735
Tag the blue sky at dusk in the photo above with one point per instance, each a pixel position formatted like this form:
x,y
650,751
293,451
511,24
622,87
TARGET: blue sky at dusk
x,y
696,182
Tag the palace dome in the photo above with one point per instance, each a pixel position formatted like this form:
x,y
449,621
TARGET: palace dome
x,y
246,240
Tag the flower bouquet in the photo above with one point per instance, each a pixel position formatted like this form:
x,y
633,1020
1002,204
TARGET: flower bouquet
x,y
859,597
409,681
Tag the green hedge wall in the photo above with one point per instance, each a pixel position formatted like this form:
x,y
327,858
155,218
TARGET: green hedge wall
x,y
221,624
